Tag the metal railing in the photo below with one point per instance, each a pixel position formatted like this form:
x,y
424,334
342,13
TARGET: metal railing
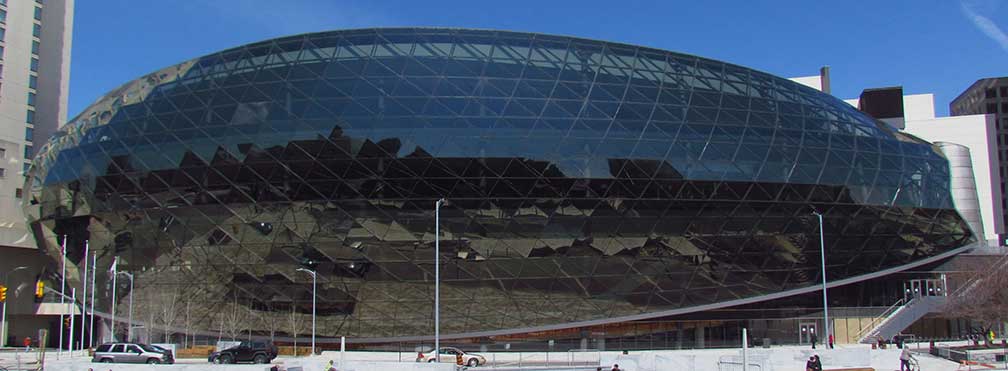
x,y
878,321
734,363
19,364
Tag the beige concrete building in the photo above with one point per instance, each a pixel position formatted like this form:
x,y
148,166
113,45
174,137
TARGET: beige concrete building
x,y
35,40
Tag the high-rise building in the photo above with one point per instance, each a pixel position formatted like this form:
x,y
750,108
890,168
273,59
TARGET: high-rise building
x,y
989,96
35,40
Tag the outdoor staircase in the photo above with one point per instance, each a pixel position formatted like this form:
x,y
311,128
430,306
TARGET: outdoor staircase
x,y
901,316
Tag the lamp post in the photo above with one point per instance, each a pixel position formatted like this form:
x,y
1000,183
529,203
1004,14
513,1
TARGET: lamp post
x,y
822,252
3,320
437,279
129,329
314,295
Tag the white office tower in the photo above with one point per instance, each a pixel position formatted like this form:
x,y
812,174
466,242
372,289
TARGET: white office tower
x,y
35,37
976,137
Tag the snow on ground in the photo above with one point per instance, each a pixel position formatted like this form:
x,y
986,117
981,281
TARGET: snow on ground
x,y
773,359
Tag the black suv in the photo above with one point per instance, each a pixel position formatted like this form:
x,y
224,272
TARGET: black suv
x,y
255,352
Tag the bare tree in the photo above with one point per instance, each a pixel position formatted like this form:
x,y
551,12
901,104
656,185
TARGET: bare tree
x,y
168,310
295,323
269,321
233,318
979,292
187,321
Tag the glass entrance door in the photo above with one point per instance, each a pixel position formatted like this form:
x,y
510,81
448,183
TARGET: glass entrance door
x,y
923,287
805,331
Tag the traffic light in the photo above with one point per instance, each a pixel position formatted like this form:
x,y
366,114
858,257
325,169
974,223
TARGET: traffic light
x,y
3,293
39,291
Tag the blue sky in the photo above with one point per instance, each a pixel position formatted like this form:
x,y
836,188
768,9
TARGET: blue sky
x,y
937,46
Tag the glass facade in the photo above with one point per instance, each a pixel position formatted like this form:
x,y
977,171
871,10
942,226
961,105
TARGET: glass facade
x,y
585,181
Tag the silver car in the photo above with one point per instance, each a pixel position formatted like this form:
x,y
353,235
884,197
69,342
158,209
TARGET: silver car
x,y
131,353
450,355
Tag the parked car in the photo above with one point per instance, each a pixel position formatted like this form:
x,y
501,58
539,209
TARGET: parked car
x,y
131,353
255,352
449,355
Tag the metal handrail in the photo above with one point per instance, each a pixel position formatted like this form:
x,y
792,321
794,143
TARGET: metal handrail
x,y
867,330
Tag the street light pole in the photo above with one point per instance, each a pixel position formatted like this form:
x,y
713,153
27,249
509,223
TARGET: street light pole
x,y
3,319
437,279
314,294
822,252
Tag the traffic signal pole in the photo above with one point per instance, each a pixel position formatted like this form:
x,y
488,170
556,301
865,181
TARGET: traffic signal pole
x,y
3,319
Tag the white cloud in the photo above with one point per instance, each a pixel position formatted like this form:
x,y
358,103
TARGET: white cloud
x,y
987,26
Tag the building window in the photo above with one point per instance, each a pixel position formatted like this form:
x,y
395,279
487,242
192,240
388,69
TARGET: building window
x,y
3,33
34,64
29,134
25,167
990,93
3,153
3,15
38,13
31,99
1004,92
37,30
1004,107
35,47
992,108
30,117
33,82
3,172
28,152
18,193
1,52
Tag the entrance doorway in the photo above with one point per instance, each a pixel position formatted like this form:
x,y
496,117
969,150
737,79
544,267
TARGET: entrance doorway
x,y
805,331
923,287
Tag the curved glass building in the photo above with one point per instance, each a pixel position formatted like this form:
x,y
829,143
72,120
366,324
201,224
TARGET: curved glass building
x,y
586,183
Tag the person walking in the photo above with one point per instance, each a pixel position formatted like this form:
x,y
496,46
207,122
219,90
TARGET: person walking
x,y
831,341
810,364
27,344
816,363
815,339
